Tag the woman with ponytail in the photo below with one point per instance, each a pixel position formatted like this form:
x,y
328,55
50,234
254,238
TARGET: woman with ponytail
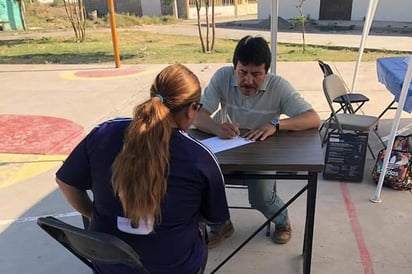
x,y
152,184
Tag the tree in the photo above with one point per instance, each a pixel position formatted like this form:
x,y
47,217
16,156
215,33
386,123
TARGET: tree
x,y
210,41
77,15
22,8
301,19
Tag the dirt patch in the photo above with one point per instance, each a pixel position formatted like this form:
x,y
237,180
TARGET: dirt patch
x,y
316,26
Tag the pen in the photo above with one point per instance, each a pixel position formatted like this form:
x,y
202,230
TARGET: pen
x,y
230,121
228,118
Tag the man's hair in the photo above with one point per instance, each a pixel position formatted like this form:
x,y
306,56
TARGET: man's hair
x,y
252,50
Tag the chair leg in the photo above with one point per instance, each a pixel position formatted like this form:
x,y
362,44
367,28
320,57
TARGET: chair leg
x,y
325,136
325,124
268,230
390,106
322,125
371,151
358,107
86,222
379,137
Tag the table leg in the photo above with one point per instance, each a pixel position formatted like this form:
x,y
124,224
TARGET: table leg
x,y
285,206
310,221
390,106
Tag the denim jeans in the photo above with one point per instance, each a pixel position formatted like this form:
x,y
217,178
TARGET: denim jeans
x,y
262,197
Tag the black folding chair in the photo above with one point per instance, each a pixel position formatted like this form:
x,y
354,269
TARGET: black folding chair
x,y
332,88
346,102
91,246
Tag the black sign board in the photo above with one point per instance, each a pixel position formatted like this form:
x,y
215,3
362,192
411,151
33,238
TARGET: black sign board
x,y
345,156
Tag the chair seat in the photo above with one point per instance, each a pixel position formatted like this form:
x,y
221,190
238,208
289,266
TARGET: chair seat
x,y
351,97
355,122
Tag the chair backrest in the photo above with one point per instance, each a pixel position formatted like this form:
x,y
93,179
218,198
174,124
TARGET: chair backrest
x,y
90,246
326,69
333,87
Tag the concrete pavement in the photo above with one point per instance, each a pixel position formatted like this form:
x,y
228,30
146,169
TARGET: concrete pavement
x,y
352,235
383,35
351,38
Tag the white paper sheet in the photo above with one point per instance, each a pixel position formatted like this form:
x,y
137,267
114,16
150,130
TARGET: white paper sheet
x,y
215,144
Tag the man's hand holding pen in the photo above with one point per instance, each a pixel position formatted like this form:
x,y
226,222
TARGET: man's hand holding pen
x,y
229,129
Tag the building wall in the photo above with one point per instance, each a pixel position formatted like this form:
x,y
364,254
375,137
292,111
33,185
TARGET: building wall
x,y
226,11
167,7
123,6
10,12
387,10
287,8
246,8
151,8
128,6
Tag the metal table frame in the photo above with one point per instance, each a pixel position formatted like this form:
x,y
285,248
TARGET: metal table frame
x,y
299,154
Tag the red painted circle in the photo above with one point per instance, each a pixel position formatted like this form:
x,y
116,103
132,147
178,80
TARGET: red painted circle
x,y
31,134
107,73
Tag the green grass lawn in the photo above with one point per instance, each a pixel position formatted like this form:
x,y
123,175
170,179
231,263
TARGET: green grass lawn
x,y
138,47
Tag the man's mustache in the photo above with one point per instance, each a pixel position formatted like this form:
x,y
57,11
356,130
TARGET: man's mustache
x,y
248,86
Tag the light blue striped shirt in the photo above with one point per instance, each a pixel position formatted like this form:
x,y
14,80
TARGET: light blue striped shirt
x,y
275,97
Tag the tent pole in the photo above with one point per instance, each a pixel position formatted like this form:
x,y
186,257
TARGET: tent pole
x,y
274,34
395,125
366,28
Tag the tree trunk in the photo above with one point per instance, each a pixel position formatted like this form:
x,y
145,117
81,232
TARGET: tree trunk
x,y
212,47
76,12
198,6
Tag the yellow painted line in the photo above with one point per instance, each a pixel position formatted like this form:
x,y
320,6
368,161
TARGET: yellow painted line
x,y
69,75
15,168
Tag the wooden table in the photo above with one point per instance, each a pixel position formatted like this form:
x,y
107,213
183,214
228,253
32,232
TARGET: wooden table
x,y
286,152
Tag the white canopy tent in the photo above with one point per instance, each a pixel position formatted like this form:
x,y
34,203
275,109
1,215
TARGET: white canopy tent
x,y
407,80
366,28
274,34
395,125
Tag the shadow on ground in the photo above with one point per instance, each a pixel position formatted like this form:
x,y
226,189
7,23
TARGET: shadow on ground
x,y
64,58
321,26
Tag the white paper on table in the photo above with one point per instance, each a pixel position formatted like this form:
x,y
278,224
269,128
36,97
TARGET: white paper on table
x,y
216,144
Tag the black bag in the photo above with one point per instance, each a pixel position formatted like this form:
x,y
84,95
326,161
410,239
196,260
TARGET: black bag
x,y
399,170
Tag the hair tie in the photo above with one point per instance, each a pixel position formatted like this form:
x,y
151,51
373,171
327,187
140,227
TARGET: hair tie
x,y
159,96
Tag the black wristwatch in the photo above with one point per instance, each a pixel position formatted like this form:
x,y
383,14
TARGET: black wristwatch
x,y
275,122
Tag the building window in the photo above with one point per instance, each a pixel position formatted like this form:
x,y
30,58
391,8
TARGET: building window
x,y
218,3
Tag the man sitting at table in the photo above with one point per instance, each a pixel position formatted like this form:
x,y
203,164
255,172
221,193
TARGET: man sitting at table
x,y
253,99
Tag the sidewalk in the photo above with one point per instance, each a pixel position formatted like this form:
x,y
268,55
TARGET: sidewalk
x,y
384,35
352,235
388,38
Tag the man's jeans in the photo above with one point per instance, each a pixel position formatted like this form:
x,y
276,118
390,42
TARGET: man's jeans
x,y
262,197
